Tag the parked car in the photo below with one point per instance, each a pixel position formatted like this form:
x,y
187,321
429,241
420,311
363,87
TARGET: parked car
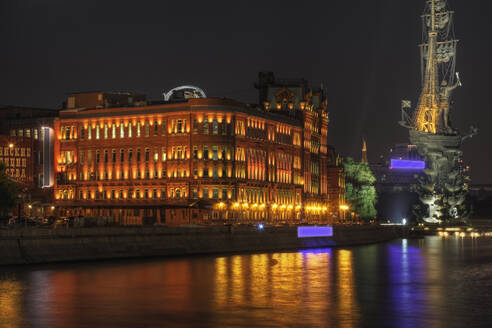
x,y
22,222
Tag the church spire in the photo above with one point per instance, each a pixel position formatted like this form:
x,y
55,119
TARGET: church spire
x,y
364,151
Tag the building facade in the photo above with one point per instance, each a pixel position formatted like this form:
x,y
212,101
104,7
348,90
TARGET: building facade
x,y
34,127
195,161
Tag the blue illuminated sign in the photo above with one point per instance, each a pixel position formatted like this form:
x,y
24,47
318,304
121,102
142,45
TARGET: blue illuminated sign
x,y
407,165
309,232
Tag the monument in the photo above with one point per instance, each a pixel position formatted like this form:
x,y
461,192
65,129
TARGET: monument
x,y
443,187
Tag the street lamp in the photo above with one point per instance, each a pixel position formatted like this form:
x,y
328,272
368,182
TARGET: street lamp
x,y
344,208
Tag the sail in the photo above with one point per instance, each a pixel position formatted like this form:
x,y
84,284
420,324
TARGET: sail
x,y
445,51
441,20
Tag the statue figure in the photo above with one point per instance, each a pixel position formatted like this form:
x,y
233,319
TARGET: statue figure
x,y
445,94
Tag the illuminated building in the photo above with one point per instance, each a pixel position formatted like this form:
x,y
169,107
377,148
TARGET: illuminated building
x,y
15,154
192,159
32,129
336,185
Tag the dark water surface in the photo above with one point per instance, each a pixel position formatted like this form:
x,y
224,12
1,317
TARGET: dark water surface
x,y
432,282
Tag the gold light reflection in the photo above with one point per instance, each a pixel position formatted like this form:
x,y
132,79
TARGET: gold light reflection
x,y
10,303
275,281
347,306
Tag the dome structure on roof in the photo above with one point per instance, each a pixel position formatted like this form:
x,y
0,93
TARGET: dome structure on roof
x,y
184,92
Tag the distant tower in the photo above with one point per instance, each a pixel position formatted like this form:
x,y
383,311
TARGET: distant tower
x,y
364,151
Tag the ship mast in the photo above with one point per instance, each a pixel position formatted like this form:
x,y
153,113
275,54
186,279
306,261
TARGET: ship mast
x,y
438,53
426,119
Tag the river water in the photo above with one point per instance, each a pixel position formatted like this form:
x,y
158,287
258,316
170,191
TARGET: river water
x,y
431,282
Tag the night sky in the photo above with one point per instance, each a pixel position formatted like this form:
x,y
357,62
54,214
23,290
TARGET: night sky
x,y
363,51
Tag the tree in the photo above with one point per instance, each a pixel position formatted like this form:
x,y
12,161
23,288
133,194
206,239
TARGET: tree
x,y
360,190
8,191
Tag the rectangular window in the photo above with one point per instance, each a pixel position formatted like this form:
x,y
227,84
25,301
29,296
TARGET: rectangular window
x,y
163,154
89,133
113,131
122,130
224,193
156,155
156,128
113,157
97,132
215,173
97,156
82,157
105,131
205,193
205,152
147,129
82,133
205,126
105,156
130,155
122,155
195,125
195,152
224,127
194,193
130,128
215,154
36,134
215,126
180,126
138,156
138,129
179,153
147,154
215,193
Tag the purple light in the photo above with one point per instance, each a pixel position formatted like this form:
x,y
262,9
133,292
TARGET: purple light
x,y
407,165
309,232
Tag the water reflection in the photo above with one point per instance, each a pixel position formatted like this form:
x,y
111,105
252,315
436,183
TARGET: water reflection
x,y
406,283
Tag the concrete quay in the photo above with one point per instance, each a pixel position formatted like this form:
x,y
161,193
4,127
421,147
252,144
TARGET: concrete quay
x,y
34,246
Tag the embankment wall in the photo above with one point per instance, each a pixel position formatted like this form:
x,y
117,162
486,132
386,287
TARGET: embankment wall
x,y
30,246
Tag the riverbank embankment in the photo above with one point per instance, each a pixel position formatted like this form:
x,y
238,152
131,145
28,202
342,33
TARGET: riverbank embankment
x,y
33,246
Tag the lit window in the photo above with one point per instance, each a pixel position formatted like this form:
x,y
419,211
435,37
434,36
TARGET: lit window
x,y
113,131
205,126
215,126
130,130
122,130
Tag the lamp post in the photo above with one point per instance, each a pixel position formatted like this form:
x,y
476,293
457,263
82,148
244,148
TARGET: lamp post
x,y
344,208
